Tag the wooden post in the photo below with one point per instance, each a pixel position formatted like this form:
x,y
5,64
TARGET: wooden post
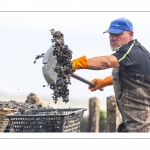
x,y
94,115
113,115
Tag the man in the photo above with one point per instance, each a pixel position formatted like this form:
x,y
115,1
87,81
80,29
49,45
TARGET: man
x,y
130,76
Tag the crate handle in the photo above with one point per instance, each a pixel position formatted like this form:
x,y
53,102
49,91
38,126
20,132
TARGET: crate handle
x,y
78,111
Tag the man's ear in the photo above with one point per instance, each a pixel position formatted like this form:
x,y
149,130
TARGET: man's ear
x,y
131,33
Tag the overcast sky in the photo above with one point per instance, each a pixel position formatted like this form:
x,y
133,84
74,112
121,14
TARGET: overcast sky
x,y
23,35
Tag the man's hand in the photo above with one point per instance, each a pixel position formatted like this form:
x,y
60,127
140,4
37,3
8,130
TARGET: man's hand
x,y
80,63
101,83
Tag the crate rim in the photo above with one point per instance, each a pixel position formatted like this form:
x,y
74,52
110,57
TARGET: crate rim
x,y
78,110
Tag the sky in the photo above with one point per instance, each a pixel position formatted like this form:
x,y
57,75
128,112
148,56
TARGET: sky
x,y
24,35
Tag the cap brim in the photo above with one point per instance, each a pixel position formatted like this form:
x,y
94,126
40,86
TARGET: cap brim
x,y
113,31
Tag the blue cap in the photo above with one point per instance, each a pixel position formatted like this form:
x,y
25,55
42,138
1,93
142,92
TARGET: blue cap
x,y
119,25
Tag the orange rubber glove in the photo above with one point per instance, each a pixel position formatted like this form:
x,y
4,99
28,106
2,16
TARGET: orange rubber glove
x,y
101,83
80,63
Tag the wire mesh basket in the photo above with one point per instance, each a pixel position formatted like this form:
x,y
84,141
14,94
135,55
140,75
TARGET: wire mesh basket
x,y
47,120
3,119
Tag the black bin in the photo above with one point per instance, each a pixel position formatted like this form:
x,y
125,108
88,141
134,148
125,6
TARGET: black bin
x,y
47,120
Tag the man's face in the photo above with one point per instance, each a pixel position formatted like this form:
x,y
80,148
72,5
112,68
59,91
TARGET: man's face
x,y
117,40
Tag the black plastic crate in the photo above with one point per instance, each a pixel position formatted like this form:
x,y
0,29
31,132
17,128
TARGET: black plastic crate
x,y
47,120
